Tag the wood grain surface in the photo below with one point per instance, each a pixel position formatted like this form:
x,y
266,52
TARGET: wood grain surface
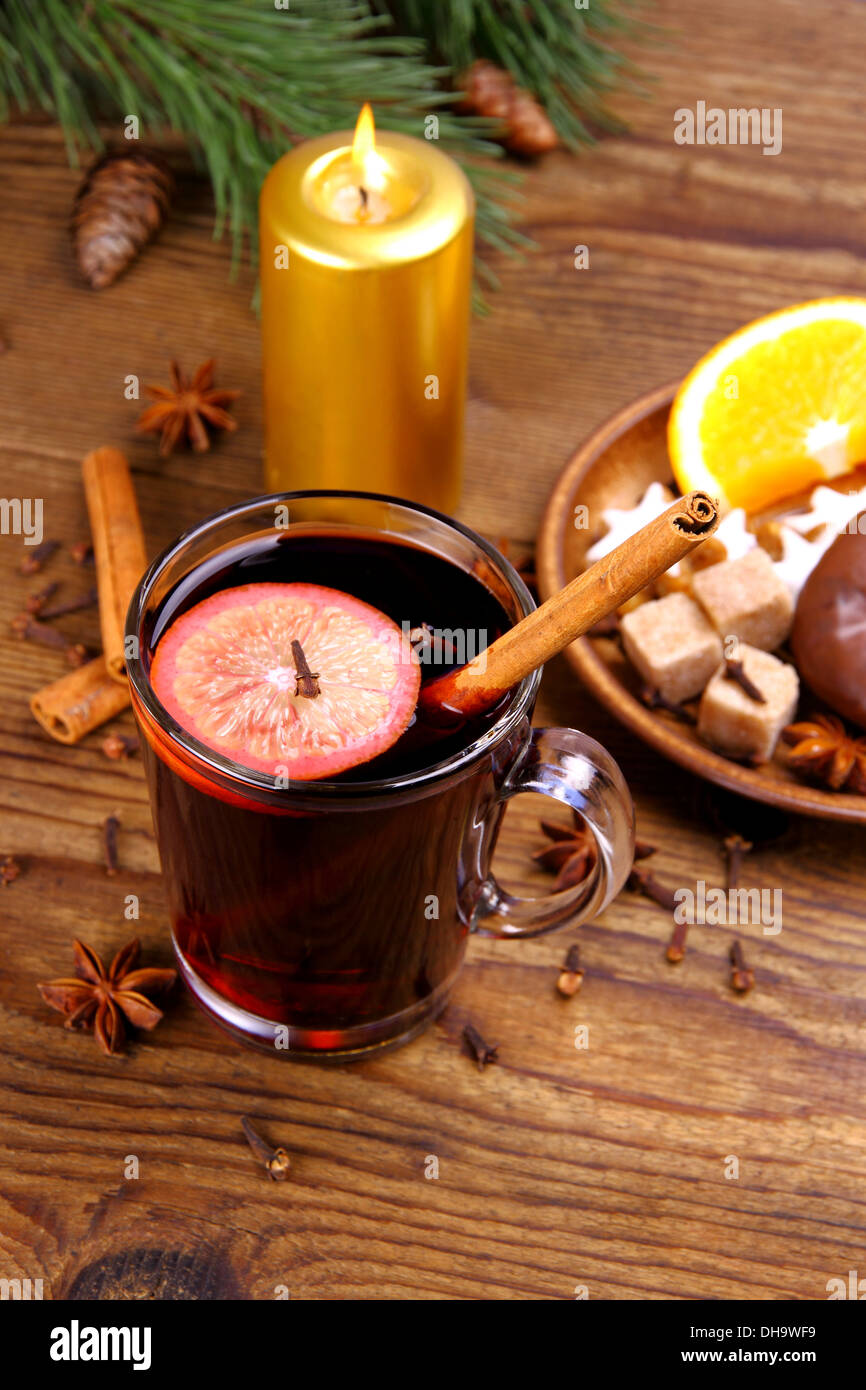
x,y
559,1168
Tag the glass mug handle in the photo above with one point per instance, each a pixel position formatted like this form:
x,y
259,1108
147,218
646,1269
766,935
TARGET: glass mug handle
x,y
574,769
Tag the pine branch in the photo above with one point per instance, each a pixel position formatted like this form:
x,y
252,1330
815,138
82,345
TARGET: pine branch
x,y
240,80
563,55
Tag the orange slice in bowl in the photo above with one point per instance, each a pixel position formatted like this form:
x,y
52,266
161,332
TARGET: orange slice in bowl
x,y
293,680
775,408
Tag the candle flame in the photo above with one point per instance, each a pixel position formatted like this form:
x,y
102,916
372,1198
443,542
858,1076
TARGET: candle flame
x,y
365,157
365,134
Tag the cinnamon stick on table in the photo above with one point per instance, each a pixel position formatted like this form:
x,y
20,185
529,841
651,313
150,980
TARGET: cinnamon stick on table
x,y
69,708
118,546
567,615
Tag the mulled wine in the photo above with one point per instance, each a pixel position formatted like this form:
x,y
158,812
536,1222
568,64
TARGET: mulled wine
x,y
325,915
327,922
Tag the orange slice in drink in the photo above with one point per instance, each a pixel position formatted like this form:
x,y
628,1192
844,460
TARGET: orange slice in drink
x,y
775,408
293,680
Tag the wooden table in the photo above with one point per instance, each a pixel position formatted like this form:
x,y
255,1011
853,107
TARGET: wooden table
x,y
558,1167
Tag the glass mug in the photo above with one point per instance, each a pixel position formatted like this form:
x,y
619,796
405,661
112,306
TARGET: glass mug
x,y
329,919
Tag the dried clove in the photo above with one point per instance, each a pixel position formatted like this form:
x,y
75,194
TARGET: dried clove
x,y
644,850
36,602
82,552
430,646
32,562
306,681
676,949
742,978
640,880
9,870
26,628
275,1161
571,974
110,827
421,640
736,848
482,1052
654,699
120,746
735,671
71,605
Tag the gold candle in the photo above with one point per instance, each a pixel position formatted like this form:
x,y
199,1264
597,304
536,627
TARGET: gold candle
x,y
366,268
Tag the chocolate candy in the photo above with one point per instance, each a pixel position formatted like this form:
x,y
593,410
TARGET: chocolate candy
x,y
829,636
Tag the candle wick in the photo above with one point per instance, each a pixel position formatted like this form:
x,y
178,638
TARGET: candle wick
x,y
364,196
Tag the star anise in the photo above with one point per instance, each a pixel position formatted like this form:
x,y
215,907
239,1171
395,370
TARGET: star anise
x,y
100,999
180,413
571,855
821,749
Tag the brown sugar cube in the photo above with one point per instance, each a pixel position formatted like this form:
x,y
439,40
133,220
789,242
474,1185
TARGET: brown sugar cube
x,y
735,723
672,645
745,598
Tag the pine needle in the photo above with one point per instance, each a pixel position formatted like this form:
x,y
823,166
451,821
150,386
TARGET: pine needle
x,y
242,81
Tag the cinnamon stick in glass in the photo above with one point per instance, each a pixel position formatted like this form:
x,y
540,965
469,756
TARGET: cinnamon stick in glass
x,y
79,702
118,547
639,561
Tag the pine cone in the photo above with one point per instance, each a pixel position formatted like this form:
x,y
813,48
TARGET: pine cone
x,y
119,207
491,91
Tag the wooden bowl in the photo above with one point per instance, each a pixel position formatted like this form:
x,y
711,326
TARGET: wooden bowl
x,y
613,468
